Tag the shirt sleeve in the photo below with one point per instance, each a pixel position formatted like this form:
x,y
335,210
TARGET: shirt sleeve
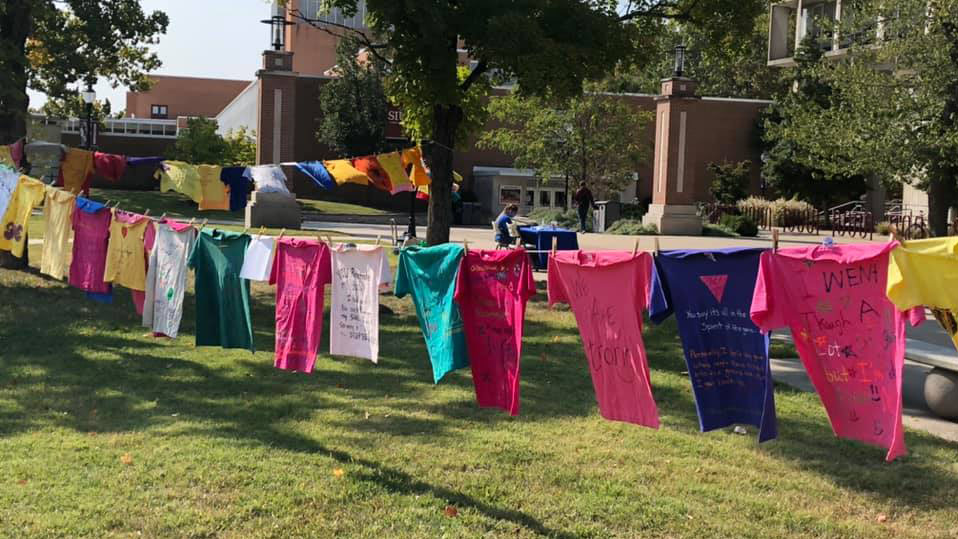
x,y
660,306
556,288
644,267
402,282
462,279
764,312
325,265
898,289
528,279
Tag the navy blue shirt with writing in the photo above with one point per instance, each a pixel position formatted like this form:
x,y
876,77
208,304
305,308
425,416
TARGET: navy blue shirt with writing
x,y
710,293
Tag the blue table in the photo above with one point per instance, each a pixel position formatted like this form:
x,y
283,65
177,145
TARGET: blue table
x,y
541,237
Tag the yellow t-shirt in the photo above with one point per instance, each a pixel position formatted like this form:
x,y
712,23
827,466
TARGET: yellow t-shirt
x,y
182,178
413,157
6,158
392,164
344,172
13,228
76,167
126,255
924,272
58,219
215,195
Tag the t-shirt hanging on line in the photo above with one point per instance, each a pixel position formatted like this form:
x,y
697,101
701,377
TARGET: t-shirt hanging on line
x,y
301,271
58,209
357,276
607,291
222,297
429,274
91,234
850,338
492,291
258,263
166,279
710,293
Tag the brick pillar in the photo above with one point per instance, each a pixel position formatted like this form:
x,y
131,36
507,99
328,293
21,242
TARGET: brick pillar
x,y
673,208
275,125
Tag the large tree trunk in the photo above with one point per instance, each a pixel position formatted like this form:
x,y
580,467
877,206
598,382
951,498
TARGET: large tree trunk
x,y
942,195
446,121
14,28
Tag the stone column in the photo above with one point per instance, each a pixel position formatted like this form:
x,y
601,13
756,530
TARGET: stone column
x,y
275,126
673,208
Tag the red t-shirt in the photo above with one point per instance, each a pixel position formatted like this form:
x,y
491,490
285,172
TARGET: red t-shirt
x,y
301,271
492,290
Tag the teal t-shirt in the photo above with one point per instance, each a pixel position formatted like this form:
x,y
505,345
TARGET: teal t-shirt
x,y
430,273
222,297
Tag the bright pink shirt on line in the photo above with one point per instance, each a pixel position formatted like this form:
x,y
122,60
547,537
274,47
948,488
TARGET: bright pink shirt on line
x,y
492,290
607,291
301,271
91,237
849,336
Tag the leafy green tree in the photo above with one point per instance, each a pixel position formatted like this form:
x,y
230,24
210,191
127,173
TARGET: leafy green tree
x,y
200,144
789,169
50,45
354,105
593,138
549,47
730,182
894,108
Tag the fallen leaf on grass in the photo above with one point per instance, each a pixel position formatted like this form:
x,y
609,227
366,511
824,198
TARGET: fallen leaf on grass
x,y
126,458
22,482
367,415
338,472
882,517
451,511
544,357
556,338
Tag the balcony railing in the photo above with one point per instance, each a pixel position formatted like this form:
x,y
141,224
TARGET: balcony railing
x,y
127,127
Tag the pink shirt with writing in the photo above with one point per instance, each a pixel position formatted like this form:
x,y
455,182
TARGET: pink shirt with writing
x,y
849,336
91,237
492,290
608,290
301,271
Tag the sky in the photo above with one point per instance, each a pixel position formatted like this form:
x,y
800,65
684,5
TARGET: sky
x,y
205,38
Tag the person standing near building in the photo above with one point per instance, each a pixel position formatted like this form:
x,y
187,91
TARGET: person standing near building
x,y
585,203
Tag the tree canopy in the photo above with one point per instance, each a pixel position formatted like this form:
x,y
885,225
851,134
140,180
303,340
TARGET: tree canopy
x,y
893,110
56,46
593,138
548,47
199,143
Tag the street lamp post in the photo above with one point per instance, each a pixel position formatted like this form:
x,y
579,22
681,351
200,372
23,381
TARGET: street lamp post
x,y
89,96
679,69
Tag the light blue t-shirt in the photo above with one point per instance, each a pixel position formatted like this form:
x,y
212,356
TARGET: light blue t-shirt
x,y
430,273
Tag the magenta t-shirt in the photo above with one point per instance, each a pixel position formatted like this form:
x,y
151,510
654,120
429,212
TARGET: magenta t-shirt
x,y
849,336
91,237
492,290
301,271
607,291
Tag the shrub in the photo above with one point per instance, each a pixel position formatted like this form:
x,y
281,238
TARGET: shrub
x,y
783,212
631,227
546,216
742,225
884,228
635,211
709,229
731,181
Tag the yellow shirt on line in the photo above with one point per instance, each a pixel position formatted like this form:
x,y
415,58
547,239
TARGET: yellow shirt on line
x,y
58,219
215,194
126,254
181,177
76,168
925,272
344,172
13,227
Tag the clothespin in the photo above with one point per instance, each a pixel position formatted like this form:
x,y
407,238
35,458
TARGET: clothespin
x,y
555,245
774,240
465,245
635,247
107,203
262,229
329,240
657,245
162,217
192,220
379,240
204,223
146,213
281,234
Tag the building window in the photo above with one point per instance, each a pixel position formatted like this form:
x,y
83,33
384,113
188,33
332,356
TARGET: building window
x,y
159,112
510,194
560,200
545,199
313,9
530,198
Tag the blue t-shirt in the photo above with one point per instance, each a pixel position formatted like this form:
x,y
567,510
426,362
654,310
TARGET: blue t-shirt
x,y
317,172
726,354
502,224
239,181
430,273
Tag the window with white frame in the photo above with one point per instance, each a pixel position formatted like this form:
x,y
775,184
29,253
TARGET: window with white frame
x,y
313,9
159,112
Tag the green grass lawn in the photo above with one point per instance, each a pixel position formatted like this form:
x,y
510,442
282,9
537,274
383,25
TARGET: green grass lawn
x,y
177,205
106,432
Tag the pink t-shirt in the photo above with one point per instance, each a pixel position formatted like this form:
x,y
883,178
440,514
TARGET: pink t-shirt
x,y
492,290
849,336
301,271
607,291
91,237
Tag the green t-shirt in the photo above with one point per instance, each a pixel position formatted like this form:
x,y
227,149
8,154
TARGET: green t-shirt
x,y
429,273
222,297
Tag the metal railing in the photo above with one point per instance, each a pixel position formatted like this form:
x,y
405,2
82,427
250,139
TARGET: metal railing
x,y
844,220
128,127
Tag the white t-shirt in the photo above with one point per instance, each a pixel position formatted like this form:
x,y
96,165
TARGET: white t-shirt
x,y
8,184
354,311
269,179
166,280
259,258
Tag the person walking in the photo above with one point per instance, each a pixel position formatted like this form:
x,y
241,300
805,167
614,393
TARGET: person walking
x,y
585,202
